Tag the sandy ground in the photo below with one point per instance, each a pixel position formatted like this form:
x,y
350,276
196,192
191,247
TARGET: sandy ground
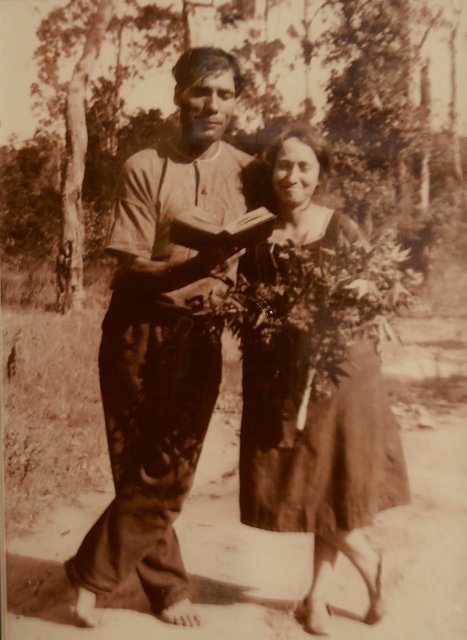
x,y
246,582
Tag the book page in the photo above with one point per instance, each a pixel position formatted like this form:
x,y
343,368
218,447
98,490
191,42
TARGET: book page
x,y
196,218
249,220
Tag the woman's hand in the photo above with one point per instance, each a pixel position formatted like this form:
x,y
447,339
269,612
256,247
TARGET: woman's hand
x,y
219,260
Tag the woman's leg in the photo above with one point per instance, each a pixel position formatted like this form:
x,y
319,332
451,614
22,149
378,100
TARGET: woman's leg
x,y
316,602
361,554
325,556
365,559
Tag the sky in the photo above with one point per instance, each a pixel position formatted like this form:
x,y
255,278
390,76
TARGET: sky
x,y
19,20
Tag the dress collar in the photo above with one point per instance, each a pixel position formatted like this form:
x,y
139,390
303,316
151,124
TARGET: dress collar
x,y
312,234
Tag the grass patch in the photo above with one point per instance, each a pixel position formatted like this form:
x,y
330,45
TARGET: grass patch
x,y
53,426
54,440
31,285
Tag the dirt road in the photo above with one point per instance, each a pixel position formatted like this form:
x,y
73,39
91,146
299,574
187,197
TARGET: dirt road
x,y
245,581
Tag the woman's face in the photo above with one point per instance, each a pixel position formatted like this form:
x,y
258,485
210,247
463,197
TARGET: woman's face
x,y
295,173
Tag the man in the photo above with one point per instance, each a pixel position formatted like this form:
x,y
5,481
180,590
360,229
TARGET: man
x,y
160,362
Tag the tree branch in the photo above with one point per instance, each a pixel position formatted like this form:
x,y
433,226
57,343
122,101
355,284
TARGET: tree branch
x,y
430,25
307,22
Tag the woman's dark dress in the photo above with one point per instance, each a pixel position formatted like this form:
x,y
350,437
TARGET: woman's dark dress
x,y
347,463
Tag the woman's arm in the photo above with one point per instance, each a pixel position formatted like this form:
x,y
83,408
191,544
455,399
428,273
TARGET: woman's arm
x,y
348,231
353,233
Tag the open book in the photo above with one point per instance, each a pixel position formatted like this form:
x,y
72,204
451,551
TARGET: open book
x,y
194,231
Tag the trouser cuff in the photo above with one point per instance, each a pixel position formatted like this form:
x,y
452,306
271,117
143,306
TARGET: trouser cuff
x,y
77,580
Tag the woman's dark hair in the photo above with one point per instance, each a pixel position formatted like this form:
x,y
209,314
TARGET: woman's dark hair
x,y
257,176
197,63
308,135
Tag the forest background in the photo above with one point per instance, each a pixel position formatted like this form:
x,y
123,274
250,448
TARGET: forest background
x,y
359,69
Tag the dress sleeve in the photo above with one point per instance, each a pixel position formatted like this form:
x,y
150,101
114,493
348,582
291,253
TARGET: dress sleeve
x,y
134,222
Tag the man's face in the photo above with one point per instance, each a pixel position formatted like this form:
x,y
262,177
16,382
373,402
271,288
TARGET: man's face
x,y
206,107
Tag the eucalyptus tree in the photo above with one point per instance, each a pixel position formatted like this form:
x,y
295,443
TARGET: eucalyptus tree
x,y
70,259
134,37
376,114
453,25
138,37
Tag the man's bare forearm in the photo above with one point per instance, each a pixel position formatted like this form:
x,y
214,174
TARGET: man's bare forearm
x,y
153,277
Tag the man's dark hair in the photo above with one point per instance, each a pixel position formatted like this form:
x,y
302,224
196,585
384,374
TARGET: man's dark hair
x,y
197,63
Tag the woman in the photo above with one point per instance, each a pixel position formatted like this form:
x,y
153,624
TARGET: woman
x,y
334,473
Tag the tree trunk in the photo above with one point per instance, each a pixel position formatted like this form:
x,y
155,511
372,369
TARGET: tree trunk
x,y
308,52
410,90
266,111
425,105
425,180
116,102
199,23
423,70
70,260
453,114
403,183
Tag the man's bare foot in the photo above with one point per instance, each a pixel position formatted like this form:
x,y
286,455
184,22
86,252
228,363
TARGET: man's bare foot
x,y
85,609
181,613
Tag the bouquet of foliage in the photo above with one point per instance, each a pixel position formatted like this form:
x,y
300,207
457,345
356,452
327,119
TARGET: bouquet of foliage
x,y
322,301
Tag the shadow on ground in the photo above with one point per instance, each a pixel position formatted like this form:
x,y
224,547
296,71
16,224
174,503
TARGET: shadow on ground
x,y
39,588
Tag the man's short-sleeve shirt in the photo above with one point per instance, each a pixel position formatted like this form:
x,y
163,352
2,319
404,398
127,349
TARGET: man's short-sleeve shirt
x,y
142,228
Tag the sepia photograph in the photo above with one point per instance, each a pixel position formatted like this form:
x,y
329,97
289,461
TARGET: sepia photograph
x,y
233,240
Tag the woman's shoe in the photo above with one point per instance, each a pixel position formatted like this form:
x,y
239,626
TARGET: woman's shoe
x,y
377,608
317,617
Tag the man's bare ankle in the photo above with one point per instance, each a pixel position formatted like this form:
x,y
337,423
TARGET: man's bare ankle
x,y
84,609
